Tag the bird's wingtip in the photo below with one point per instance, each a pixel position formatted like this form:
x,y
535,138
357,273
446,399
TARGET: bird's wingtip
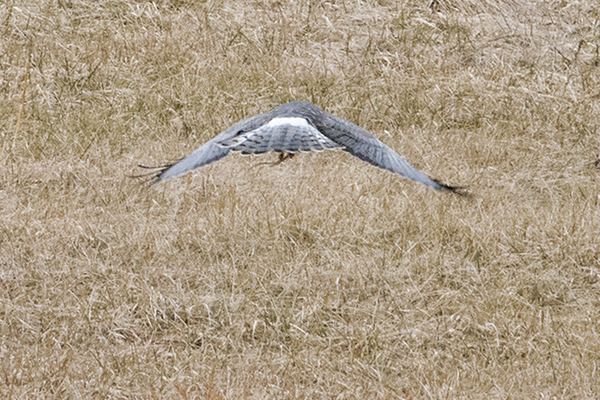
x,y
457,190
153,177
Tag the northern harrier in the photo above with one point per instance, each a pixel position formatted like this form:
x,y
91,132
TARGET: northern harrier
x,y
293,127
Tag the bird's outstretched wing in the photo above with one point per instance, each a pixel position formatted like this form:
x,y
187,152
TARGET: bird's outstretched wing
x,y
209,152
368,148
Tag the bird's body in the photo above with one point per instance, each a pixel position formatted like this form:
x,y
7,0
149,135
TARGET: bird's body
x,y
294,127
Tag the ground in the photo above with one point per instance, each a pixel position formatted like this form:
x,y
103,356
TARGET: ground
x,y
322,277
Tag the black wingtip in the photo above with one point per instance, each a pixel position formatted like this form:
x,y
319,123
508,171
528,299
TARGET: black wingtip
x,y
457,190
153,177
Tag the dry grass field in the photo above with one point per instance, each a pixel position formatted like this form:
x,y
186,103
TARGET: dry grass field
x,y
323,277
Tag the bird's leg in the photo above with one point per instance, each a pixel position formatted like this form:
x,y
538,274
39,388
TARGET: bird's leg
x,y
282,157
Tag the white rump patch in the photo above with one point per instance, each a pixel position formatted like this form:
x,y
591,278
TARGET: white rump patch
x,y
294,121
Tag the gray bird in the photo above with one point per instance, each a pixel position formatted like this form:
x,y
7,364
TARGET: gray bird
x,y
293,127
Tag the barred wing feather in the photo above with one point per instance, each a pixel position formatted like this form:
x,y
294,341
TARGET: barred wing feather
x,y
281,135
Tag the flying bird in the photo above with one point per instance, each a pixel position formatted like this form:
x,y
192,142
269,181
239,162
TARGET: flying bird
x,y
295,127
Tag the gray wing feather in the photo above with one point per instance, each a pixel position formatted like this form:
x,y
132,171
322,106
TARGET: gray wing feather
x,y
368,148
280,138
209,152
206,154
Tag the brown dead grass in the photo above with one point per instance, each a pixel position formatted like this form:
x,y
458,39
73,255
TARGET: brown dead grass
x,y
324,277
